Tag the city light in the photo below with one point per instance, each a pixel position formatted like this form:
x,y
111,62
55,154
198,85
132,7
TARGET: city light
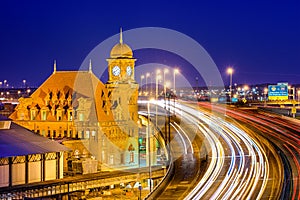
x,y
176,71
265,93
157,78
165,72
147,75
230,72
142,77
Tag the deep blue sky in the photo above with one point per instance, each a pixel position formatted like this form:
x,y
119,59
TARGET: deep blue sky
x,y
261,39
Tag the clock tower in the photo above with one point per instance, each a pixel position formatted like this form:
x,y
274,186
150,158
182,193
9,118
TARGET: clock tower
x,y
123,94
121,85
121,63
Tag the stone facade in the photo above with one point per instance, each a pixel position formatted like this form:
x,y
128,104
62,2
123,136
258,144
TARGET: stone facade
x,y
77,106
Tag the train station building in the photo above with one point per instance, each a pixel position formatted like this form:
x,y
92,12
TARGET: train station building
x,y
98,121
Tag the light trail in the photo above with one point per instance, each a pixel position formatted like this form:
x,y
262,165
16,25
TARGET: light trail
x,y
239,167
181,137
186,136
282,131
233,137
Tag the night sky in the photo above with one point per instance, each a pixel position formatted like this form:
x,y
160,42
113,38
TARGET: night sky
x,y
260,39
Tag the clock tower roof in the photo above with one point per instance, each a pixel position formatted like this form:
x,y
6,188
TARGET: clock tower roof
x,y
121,50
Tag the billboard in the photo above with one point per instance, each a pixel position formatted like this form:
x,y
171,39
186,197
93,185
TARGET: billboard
x,y
278,92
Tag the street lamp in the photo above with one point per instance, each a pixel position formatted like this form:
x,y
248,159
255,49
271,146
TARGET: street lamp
x,y
147,75
165,72
157,78
148,144
156,94
265,93
230,72
142,77
176,71
24,82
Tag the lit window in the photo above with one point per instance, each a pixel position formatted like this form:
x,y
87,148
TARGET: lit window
x,y
44,115
93,133
59,115
70,116
111,159
32,114
87,134
81,117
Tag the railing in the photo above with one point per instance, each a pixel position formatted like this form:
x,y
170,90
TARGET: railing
x,y
68,185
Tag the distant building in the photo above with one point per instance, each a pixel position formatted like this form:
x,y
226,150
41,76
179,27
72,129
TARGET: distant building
x,y
96,120
26,157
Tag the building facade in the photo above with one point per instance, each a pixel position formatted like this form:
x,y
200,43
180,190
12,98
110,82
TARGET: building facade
x,y
98,121
26,157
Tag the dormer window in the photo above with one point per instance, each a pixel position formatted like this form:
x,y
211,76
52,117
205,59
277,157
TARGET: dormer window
x,y
70,117
44,115
32,114
59,115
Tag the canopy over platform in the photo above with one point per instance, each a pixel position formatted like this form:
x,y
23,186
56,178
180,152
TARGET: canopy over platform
x,y
18,141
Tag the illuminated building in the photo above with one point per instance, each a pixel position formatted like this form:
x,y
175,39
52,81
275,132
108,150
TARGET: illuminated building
x,y
100,119
26,157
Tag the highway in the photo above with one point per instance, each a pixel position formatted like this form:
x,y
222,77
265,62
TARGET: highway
x,y
240,164
283,133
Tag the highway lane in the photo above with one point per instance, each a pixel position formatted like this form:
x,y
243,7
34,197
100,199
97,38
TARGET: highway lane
x,y
284,135
238,166
247,176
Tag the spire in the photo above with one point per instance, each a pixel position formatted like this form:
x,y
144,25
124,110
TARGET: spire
x,y
54,67
90,66
121,36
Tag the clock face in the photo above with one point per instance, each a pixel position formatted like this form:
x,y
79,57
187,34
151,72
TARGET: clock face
x,y
128,70
116,70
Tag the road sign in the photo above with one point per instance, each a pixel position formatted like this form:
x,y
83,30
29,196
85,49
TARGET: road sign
x,y
244,100
278,92
294,110
234,99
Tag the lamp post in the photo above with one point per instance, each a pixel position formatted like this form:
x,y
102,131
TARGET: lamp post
x,y
156,94
176,71
147,75
151,81
156,88
142,77
165,87
165,72
265,93
230,72
148,144
24,82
